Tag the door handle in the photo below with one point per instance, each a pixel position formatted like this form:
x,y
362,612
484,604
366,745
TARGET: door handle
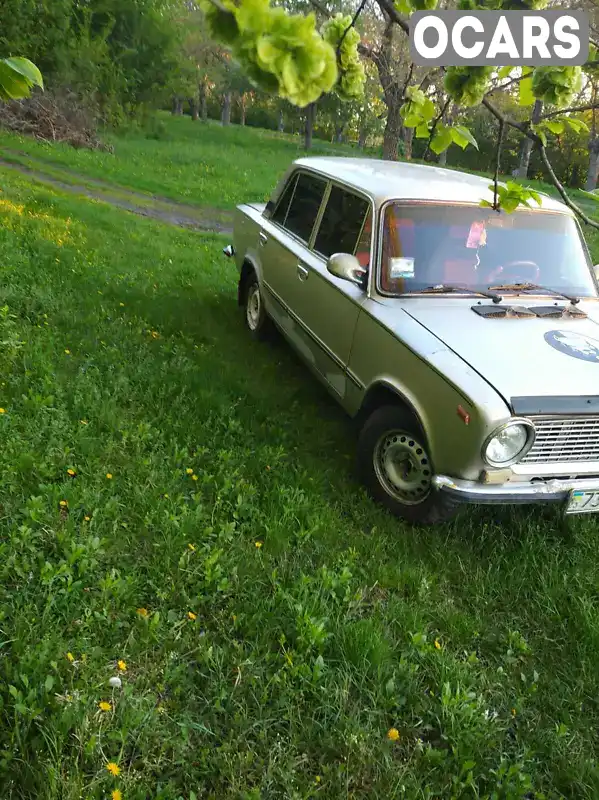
x,y
302,272
263,238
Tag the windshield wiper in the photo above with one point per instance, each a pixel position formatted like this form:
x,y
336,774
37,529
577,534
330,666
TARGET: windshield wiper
x,y
527,287
447,288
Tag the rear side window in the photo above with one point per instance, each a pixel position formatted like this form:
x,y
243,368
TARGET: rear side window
x,y
280,212
305,205
342,224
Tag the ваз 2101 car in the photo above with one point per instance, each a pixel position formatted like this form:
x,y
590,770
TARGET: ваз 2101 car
x,y
464,340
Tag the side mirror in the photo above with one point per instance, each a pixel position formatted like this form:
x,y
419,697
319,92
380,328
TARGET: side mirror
x,y
347,267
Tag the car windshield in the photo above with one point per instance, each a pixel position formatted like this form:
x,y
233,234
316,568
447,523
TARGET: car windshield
x,y
431,244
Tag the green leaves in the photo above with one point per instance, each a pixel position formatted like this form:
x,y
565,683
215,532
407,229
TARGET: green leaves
x,y
556,85
353,75
418,110
17,77
525,93
445,135
557,126
512,195
442,139
284,53
467,85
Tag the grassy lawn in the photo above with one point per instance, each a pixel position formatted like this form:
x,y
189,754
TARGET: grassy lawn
x,y
180,499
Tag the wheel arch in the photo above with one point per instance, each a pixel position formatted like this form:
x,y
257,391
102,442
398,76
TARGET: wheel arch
x,y
247,268
381,394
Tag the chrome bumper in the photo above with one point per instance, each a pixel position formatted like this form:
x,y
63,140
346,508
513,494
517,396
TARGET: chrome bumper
x,y
550,491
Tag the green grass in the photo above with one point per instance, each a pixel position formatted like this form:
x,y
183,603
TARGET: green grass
x,y
195,163
124,354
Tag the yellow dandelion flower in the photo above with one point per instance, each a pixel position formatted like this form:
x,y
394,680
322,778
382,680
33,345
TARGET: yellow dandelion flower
x,y
104,706
189,471
437,644
70,657
393,734
258,545
109,476
121,305
143,612
113,768
192,547
63,503
117,794
191,615
121,665
71,472
2,411
155,335
194,477
68,352
87,519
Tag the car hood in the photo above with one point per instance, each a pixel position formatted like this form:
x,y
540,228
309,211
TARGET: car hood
x,y
520,357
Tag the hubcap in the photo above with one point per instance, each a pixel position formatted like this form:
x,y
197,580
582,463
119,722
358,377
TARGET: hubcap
x,y
253,307
402,467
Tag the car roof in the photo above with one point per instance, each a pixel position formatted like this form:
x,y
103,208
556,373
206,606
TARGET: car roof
x,y
387,180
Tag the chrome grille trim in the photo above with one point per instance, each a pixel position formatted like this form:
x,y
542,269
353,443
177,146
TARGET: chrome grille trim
x,y
563,440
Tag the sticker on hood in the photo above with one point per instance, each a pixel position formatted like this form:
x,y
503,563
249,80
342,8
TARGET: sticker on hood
x,y
574,344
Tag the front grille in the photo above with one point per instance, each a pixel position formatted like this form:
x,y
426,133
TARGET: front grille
x,y
564,439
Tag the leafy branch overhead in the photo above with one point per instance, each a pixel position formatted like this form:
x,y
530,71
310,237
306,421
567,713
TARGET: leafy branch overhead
x,y
286,53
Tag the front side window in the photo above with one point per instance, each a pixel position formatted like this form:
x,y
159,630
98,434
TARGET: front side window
x,y
342,227
305,205
475,248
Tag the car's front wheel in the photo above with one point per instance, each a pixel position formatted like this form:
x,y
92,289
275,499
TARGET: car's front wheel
x,y
395,466
256,318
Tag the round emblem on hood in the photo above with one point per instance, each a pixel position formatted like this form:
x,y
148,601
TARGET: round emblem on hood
x,y
574,344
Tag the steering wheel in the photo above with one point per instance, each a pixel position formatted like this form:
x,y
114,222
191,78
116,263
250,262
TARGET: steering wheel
x,y
510,272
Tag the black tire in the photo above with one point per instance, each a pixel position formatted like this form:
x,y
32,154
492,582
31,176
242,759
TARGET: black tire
x,y
391,437
257,320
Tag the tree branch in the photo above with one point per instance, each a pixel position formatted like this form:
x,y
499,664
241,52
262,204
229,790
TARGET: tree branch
x,y
498,165
573,110
562,191
394,15
351,25
436,121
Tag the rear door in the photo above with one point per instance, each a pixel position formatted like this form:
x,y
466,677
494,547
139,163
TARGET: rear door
x,y
284,247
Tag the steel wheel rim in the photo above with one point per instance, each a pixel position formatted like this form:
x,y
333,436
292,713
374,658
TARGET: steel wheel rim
x,y
254,307
403,467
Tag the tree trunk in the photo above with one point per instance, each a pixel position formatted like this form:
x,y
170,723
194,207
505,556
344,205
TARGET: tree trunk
x,y
226,113
193,107
408,137
281,127
177,107
242,108
593,171
362,136
309,126
392,132
203,102
442,158
526,147
339,132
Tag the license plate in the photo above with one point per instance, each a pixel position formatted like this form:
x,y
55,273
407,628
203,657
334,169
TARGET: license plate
x,y
583,503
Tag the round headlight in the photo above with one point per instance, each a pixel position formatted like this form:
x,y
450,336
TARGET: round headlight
x,y
507,444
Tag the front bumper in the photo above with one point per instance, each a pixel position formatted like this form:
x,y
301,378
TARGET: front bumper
x,y
549,491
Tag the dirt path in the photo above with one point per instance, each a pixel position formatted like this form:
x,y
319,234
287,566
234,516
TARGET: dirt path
x,y
183,216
